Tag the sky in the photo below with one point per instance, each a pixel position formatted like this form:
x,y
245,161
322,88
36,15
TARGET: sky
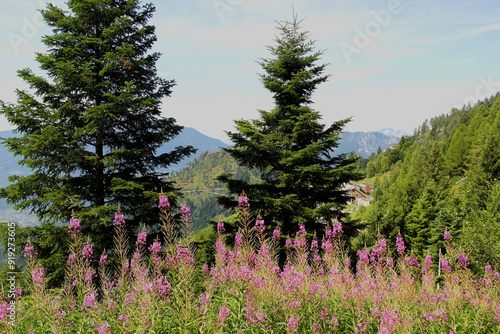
x,y
392,63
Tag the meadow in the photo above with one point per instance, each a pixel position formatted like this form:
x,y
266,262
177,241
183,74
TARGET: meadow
x,y
159,288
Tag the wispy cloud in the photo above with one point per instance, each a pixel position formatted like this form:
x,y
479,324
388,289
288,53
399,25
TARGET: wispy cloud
x,y
480,30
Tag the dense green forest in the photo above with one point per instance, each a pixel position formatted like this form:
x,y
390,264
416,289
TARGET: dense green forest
x,y
444,177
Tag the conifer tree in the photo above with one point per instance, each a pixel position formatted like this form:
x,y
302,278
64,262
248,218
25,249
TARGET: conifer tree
x,y
90,130
301,177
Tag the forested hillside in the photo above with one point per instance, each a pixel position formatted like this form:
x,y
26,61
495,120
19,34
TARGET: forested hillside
x,y
444,177
200,188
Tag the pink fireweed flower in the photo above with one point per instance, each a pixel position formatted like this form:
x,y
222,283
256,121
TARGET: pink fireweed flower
x,y
243,201
123,317
104,329
238,240
326,245
29,251
155,247
103,260
74,225
185,211
141,238
259,225
427,264
292,324
71,258
89,276
364,255
447,235
400,244
488,268
288,243
38,275
87,250
205,268
183,253
164,203
220,248
90,301
337,229
382,243
428,260
463,260
445,265
314,245
302,230
328,233
300,242
223,314
220,228
276,234
119,219
412,261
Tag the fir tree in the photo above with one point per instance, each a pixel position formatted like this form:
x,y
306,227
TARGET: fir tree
x,y
91,128
301,177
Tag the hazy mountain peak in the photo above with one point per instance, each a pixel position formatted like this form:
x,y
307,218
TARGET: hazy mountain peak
x,y
392,132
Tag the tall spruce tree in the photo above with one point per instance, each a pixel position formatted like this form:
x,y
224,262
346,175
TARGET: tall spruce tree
x,y
301,177
90,130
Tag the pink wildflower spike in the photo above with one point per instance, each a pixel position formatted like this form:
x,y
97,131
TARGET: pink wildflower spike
x,y
87,250
400,244
238,240
302,230
488,268
155,247
428,260
185,211
164,203
288,243
259,225
447,235
103,260
223,314
445,265
119,218
463,260
38,275
382,243
292,324
141,238
243,201
337,229
29,251
71,258
74,225
314,245
220,227
276,234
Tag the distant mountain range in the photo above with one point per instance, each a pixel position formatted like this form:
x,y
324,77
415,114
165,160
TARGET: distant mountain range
x,y
392,132
363,143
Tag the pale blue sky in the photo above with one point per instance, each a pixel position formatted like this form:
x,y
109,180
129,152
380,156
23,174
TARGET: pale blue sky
x,y
392,63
